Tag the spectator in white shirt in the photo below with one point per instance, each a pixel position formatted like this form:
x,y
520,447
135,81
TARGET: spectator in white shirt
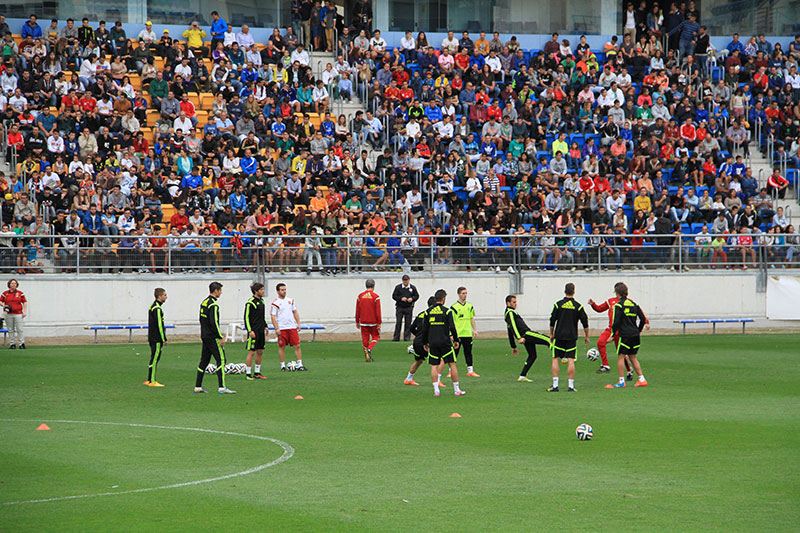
x,y
450,43
8,81
147,34
320,97
51,180
245,38
18,102
55,143
253,56
615,201
473,186
494,62
182,123
300,55
377,43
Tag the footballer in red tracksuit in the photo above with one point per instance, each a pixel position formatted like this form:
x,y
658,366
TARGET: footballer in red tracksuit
x,y
368,318
608,305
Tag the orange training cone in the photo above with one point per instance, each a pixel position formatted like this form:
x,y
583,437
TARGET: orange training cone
x,y
298,397
43,427
455,415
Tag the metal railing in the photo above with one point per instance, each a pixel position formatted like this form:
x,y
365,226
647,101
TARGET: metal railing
x,y
350,254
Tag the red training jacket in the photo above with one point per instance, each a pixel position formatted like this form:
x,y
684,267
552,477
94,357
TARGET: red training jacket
x,y
368,308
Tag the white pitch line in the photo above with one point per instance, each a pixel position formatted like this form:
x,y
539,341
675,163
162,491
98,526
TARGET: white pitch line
x,y
288,452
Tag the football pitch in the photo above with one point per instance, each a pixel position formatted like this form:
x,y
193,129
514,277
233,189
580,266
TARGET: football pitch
x,y
712,444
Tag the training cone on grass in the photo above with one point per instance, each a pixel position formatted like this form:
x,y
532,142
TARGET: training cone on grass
x,y
455,415
43,427
298,397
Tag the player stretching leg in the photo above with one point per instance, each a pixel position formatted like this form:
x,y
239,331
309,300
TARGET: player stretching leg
x,y
368,318
440,337
286,321
155,335
464,319
519,332
255,321
629,320
602,342
418,347
564,334
213,341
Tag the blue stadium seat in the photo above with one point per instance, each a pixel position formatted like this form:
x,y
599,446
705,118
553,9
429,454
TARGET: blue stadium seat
x,y
697,227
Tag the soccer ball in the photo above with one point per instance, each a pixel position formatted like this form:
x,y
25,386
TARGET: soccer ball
x,y
211,368
584,432
410,349
592,354
242,368
292,366
230,368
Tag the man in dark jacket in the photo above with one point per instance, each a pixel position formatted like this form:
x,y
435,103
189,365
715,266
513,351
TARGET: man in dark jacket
x,y
404,296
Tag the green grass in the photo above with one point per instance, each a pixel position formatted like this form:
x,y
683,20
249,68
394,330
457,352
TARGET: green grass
x,y
712,444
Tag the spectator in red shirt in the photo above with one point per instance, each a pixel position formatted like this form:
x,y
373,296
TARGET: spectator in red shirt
x,y
15,139
15,307
179,220
688,133
368,318
745,244
601,184
777,184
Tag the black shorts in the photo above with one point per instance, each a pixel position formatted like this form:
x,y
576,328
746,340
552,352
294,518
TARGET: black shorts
x,y
257,343
419,351
564,348
628,346
439,353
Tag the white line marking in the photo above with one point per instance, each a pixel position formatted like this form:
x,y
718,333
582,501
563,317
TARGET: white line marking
x,y
288,452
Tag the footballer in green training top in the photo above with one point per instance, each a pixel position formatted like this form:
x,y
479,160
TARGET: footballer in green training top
x,y
155,335
464,319
255,321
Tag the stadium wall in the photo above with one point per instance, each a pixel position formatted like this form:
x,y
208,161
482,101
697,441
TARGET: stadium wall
x,y
57,308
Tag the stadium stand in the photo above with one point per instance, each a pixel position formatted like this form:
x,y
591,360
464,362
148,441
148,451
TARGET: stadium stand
x,y
161,152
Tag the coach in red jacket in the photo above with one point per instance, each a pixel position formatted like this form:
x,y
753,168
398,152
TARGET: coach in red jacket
x,y
368,318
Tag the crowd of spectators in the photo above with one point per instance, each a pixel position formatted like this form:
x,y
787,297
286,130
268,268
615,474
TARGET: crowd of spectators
x,y
467,148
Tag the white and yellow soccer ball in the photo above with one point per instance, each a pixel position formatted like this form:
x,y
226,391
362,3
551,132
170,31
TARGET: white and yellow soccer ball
x,y
593,354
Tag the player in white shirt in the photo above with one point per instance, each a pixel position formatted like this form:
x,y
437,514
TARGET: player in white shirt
x,y
286,321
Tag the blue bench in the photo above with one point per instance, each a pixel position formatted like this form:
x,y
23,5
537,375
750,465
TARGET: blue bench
x,y
713,322
233,329
4,331
129,328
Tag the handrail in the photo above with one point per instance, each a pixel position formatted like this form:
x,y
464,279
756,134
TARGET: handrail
x,y
512,251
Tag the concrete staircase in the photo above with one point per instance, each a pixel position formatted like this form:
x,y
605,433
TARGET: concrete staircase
x,y
318,61
791,207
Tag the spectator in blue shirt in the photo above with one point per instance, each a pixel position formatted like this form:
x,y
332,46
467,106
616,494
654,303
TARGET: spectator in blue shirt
x,y
248,163
466,98
238,202
345,87
735,44
218,29
31,28
688,31
433,112
278,127
192,181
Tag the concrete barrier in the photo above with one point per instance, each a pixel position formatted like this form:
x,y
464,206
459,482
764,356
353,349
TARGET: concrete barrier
x,y
61,307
